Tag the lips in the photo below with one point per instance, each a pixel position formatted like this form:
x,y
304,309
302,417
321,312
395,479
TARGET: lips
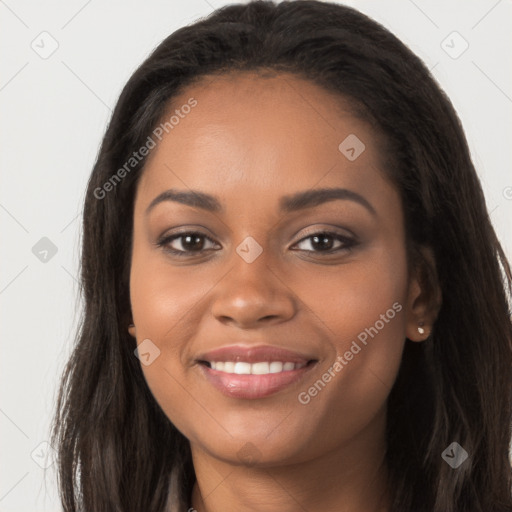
x,y
253,372
263,353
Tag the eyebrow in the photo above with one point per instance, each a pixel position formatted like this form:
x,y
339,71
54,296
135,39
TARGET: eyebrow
x,y
287,204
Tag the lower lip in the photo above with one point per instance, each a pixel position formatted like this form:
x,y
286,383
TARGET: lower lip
x,y
253,386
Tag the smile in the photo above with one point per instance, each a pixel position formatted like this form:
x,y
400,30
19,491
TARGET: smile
x,y
253,372
260,368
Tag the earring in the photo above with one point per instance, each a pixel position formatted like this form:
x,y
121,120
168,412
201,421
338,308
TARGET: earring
x,y
420,328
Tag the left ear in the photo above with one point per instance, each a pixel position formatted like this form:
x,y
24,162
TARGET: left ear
x,y
424,296
131,330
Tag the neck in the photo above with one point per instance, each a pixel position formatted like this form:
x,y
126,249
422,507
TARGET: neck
x,y
352,478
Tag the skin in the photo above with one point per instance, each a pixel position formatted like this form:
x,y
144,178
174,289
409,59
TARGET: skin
x,y
249,141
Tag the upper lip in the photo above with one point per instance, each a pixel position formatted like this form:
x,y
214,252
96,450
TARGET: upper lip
x,y
255,354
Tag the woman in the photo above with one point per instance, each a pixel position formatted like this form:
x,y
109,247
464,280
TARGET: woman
x,y
294,297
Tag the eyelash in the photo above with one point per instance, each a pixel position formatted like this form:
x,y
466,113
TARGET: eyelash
x,y
164,242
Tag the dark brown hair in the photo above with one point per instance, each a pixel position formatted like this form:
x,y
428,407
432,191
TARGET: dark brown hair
x,y
117,448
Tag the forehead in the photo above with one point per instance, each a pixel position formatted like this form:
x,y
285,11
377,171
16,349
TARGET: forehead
x,y
263,133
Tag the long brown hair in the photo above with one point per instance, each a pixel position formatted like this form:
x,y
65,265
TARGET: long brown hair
x,y
116,447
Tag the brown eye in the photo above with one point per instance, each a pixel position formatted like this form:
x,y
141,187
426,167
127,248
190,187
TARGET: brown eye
x,y
185,244
328,242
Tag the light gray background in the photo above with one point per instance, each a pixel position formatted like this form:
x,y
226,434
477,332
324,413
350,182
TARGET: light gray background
x,y
54,113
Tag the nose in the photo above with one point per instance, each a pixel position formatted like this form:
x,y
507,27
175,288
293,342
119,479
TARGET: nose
x,y
252,294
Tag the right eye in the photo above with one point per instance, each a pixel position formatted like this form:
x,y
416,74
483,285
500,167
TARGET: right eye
x,y
191,242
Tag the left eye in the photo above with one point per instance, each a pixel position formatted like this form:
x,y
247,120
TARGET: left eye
x,y
324,242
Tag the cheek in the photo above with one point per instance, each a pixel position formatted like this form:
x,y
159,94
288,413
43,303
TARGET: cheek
x,y
162,296
363,307
165,303
371,305
350,299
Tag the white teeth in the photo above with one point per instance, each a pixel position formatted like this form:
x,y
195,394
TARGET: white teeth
x,y
242,368
261,368
276,367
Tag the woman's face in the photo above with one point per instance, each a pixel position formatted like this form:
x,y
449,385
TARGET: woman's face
x,y
269,263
